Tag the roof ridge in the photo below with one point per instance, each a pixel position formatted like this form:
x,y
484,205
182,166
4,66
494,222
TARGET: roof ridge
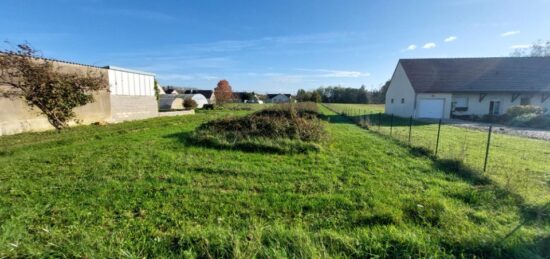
x,y
462,58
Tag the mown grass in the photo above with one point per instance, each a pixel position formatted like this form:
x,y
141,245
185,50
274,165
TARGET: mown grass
x,y
139,189
364,108
516,163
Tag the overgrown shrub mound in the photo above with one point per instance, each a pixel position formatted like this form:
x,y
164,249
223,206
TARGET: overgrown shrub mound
x,y
280,129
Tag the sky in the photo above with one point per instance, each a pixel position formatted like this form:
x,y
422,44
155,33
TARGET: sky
x,y
275,46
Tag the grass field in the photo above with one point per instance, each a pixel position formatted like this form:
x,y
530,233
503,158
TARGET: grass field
x,y
517,164
140,189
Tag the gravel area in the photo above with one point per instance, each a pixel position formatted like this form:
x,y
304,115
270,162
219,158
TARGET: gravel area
x,y
522,132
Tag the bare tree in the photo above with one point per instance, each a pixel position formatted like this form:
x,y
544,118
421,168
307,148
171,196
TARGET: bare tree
x,y
537,49
41,85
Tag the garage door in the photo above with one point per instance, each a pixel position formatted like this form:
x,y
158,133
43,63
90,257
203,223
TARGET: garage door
x,y
431,108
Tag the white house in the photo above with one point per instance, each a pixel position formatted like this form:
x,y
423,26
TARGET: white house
x,y
441,88
278,98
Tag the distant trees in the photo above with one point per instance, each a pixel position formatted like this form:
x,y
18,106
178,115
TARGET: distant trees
x,y
223,92
339,94
537,49
42,86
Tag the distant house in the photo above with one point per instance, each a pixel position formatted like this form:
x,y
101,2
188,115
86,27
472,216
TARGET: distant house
x,y
209,94
173,90
441,88
246,97
278,98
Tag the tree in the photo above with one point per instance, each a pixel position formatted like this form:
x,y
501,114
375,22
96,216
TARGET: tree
x,y
315,97
43,86
537,49
223,92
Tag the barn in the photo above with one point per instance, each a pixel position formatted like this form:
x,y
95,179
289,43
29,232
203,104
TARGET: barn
x,y
444,88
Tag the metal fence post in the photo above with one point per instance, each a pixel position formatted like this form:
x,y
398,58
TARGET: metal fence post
x,y
437,142
410,128
487,149
391,124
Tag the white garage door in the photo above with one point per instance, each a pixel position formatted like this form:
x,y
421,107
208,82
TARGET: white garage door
x,y
431,108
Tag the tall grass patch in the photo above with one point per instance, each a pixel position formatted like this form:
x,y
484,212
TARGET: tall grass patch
x,y
294,128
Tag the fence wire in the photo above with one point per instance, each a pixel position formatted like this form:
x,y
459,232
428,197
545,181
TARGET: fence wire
x,y
519,164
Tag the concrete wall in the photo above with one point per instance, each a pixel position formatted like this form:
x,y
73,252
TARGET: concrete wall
x,y
124,108
140,103
16,116
476,107
400,88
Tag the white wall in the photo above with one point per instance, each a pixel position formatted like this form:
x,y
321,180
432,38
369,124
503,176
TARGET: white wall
x,y
126,108
132,84
475,107
399,88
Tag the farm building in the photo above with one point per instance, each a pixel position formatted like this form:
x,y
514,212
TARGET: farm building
x,y
209,94
199,98
131,96
442,88
278,98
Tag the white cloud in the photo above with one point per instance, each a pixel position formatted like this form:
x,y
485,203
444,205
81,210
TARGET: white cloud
x,y
520,46
451,38
509,33
429,45
412,47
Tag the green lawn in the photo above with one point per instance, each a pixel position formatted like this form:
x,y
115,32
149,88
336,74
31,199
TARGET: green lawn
x,y
520,165
140,189
364,108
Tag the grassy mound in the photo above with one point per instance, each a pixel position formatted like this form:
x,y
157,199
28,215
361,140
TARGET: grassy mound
x,y
293,128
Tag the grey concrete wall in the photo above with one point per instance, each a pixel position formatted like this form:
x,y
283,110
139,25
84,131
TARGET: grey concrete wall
x,y
17,117
124,107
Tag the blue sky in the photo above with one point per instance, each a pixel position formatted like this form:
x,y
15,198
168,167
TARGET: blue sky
x,y
271,46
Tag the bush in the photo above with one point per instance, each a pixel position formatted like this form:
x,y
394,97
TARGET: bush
x,y
522,120
541,121
519,110
189,104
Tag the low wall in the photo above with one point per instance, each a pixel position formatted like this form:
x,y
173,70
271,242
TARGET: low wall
x,y
17,117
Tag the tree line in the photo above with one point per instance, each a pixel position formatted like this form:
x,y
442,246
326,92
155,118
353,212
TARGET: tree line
x,y
339,94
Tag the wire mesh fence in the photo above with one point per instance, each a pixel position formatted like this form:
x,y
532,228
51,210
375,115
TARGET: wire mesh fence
x,y
519,164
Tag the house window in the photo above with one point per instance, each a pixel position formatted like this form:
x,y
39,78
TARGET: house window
x,y
494,108
460,104
525,101
402,100
391,100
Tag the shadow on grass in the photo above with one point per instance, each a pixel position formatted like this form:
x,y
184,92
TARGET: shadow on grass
x,y
282,146
530,214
